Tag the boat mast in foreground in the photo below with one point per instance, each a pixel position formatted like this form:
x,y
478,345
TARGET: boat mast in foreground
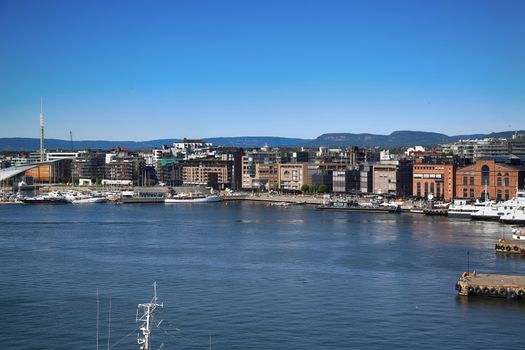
x,y
147,319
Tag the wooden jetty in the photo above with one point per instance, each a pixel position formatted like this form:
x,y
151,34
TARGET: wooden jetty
x,y
491,285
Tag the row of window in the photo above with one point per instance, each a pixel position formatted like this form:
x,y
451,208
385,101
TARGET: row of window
x,y
470,194
501,182
430,189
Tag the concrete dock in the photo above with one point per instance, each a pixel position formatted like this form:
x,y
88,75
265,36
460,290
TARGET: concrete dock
x,y
492,285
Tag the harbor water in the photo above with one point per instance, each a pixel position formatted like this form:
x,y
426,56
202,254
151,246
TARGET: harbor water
x,y
248,276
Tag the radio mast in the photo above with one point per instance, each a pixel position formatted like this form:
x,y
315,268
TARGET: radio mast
x,y
42,155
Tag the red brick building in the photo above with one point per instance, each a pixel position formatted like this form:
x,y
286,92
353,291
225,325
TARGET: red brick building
x,y
500,180
435,179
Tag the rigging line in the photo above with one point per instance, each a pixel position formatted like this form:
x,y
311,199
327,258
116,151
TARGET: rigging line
x,y
124,337
109,321
98,312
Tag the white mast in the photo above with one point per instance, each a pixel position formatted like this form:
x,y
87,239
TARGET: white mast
x,y
146,319
42,156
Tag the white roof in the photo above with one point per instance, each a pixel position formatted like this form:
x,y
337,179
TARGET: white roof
x,y
15,170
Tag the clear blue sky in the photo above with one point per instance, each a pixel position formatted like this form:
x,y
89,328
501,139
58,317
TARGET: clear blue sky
x,y
139,70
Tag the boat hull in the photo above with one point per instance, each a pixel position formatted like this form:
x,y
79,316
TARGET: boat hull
x,y
89,200
45,201
209,199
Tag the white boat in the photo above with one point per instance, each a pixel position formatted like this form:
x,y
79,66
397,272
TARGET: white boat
x,y
516,216
193,198
498,210
461,209
86,199
49,198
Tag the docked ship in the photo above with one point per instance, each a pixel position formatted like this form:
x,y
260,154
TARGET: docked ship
x,y
496,211
462,209
193,198
87,199
144,195
50,198
516,216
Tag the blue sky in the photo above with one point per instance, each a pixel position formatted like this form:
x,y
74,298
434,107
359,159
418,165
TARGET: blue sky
x,y
139,70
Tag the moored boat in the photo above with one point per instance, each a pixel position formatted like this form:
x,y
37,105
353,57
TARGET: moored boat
x,y
50,198
193,198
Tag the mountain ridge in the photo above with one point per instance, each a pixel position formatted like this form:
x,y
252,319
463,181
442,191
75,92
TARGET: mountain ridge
x,y
397,138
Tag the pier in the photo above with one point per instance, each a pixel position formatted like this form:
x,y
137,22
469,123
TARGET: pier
x,y
510,246
491,285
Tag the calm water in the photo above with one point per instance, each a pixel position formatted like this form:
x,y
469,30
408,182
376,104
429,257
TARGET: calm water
x,y
249,276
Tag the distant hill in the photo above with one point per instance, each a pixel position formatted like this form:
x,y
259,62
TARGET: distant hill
x,y
395,139
28,144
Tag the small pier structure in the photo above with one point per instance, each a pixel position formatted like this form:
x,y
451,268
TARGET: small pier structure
x,y
491,285
510,246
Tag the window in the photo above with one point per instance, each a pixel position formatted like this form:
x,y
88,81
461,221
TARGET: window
x,y
432,188
499,181
506,195
485,175
472,180
465,180
499,195
506,182
426,189
464,193
471,193
418,191
438,190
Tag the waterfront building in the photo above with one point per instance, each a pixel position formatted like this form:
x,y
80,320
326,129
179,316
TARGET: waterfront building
x,y
292,176
89,165
497,180
322,177
260,169
207,172
169,171
347,181
435,179
366,178
124,165
56,171
393,177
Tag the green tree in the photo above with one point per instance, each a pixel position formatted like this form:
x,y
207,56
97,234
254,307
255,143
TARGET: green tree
x,y
323,188
305,188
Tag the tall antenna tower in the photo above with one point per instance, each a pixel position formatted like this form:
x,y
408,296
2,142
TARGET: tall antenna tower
x,y
147,318
71,139
42,155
